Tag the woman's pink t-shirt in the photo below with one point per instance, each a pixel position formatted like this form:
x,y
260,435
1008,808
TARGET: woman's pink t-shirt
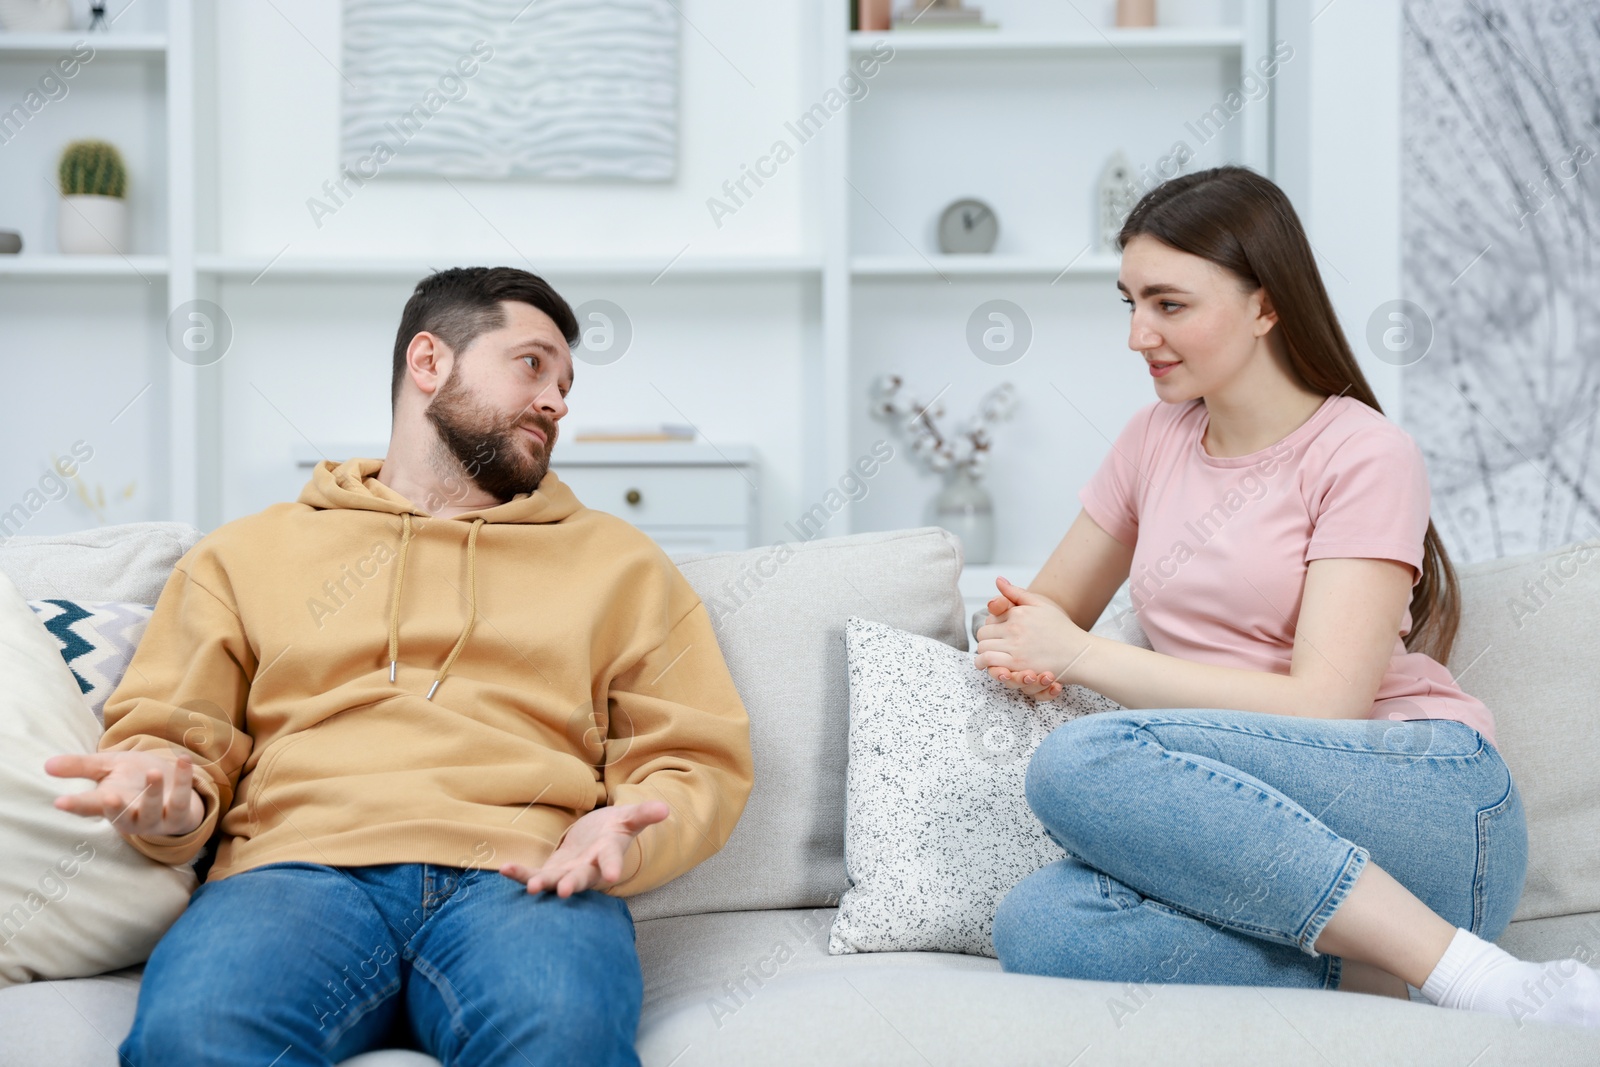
x,y
1221,543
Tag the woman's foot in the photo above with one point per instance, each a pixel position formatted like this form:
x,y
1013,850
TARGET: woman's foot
x,y
1477,975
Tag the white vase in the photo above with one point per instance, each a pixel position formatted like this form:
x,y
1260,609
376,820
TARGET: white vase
x,y
92,225
35,16
965,508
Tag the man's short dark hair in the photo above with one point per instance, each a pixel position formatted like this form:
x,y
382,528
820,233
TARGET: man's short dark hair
x,y
458,304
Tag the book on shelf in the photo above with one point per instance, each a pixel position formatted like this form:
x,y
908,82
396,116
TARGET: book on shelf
x,y
940,14
666,431
943,24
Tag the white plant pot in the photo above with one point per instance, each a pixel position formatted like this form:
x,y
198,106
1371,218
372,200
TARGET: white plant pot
x,y
92,225
35,16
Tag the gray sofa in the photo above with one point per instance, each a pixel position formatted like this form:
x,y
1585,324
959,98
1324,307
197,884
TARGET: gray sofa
x,y
735,952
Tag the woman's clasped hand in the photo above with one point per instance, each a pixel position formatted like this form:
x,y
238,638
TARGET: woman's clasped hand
x,y
1028,642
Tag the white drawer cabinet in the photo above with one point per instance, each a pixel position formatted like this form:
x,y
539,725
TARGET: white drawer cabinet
x,y
689,497
662,496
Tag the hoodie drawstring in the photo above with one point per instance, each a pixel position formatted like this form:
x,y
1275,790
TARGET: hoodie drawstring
x,y
472,609
394,602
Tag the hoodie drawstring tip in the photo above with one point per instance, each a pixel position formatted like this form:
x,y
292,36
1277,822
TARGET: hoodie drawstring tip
x,y
434,688
392,665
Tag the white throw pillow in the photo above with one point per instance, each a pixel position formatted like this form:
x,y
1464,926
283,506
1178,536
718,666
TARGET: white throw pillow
x,y
75,898
937,828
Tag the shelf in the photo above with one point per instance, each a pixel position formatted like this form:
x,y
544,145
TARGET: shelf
x,y
1093,265
133,268
133,45
1221,40
265,268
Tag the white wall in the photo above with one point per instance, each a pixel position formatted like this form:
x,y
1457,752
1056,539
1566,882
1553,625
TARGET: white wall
x,y
279,95
1337,145
726,356
74,372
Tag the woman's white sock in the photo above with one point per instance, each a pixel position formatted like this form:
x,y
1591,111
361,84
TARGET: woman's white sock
x,y
1478,975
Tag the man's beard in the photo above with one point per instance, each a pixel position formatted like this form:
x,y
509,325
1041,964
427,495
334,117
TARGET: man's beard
x,y
492,449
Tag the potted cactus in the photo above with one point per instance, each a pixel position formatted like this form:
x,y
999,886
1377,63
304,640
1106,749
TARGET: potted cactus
x,y
93,215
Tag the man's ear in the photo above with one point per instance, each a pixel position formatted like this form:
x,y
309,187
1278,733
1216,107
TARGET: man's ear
x,y
428,362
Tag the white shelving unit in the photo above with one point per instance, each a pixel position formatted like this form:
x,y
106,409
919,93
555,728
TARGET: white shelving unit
x,y
929,105
843,278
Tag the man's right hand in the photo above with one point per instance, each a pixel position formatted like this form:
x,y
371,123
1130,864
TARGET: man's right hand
x,y
139,793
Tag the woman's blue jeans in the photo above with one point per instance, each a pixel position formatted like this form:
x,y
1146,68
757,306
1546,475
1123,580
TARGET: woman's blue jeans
x,y
294,964
1212,847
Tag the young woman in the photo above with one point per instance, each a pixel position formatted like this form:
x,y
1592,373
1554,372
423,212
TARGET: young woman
x,y
1346,822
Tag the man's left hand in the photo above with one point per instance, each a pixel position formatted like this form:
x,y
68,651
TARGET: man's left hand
x,y
592,851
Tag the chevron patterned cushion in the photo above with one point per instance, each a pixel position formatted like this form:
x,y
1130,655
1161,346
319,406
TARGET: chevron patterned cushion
x,y
97,639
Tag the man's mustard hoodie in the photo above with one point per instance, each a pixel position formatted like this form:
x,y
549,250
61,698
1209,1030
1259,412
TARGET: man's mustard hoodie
x,y
360,683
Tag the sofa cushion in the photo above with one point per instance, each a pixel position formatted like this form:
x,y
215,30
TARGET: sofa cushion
x,y
937,828
129,562
1526,648
79,1022
759,987
752,987
1560,937
75,897
76,1022
779,615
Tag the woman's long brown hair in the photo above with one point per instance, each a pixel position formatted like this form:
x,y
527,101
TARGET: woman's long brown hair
x,y
1244,223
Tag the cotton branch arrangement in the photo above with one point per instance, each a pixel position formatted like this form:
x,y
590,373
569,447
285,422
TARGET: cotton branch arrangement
x,y
965,448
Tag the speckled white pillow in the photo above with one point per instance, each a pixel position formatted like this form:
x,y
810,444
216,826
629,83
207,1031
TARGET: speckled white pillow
x,y
937,829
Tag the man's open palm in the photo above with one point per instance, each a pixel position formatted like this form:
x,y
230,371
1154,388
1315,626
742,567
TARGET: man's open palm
x,y
593,850
138,792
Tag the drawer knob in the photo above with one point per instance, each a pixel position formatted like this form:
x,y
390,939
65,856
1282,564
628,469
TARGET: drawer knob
x,y
632,496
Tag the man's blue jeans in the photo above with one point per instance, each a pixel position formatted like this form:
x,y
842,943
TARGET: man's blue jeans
x,y
1212,847
298,964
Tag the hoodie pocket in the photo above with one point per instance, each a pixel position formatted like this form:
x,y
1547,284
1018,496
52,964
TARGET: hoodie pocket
x,y
261,777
